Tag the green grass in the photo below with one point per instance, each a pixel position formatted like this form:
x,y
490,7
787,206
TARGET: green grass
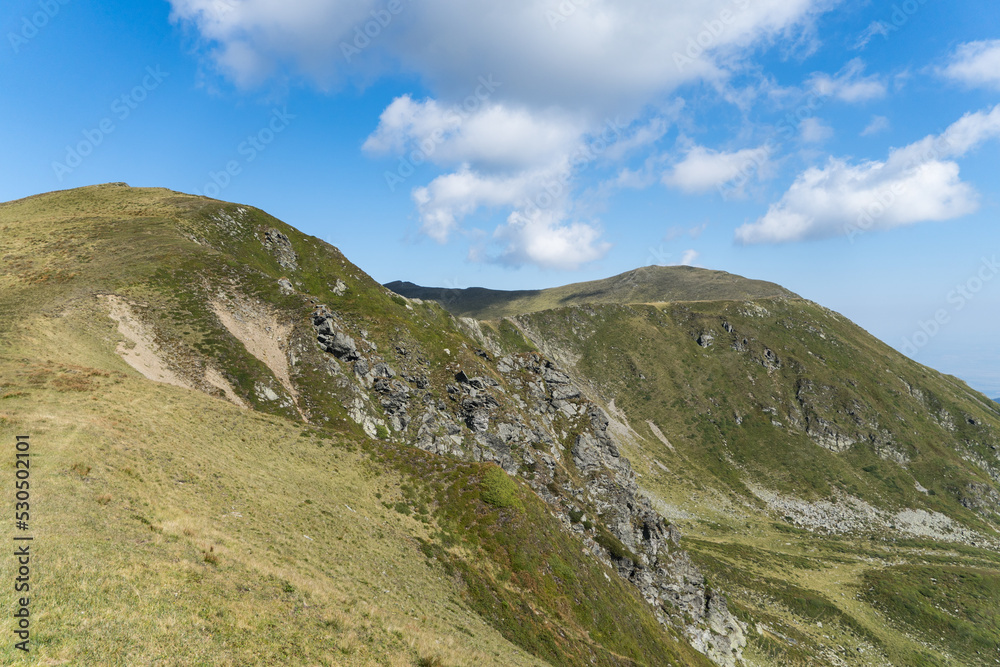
x,y
954,608
171,526
175,524
646,284
710,403
527,577
179,527
499,490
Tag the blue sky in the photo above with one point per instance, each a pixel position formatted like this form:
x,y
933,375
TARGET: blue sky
x,y
846,150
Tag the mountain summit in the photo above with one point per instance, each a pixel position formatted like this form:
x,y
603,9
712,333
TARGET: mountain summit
x,y
249,452
650,284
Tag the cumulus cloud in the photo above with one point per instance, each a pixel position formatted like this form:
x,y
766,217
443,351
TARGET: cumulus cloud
x,y
849,84
449,198
975,64
575,65
916,183
591,55
494,135
543,238
252,40
689,257
703,169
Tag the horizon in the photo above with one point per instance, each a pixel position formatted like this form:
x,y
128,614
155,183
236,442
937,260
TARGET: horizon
x,y
842,150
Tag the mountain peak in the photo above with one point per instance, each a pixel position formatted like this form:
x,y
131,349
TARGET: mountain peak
x,y
647,284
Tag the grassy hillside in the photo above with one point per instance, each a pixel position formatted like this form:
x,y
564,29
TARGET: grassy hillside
x,y
814,469
644,285
205,488
246,451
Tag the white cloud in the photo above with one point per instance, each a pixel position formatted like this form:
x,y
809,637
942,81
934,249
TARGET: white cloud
x,y
703,169
815,131
449,198
604,56
559,72
493,136
251,40
877,125
917,183
975,64
500,157
874,28
689,257
543,238
644,136
849,84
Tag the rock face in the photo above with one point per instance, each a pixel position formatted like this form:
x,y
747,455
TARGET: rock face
x,y
529,417
330,338
281,248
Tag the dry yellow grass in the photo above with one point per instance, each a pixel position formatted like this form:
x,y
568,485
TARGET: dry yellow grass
x,y
175,528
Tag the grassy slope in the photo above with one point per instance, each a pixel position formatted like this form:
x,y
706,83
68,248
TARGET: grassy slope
x,y
172,528
646,357
647,284
188,529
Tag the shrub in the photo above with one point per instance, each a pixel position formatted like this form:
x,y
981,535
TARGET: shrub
x,y
499,490
614,546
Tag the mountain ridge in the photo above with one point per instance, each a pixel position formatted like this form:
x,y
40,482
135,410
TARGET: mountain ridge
x,y
648,284
758,481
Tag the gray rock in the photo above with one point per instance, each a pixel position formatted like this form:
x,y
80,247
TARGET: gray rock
x,y
383,370
342,346
553,376
281,248
565,393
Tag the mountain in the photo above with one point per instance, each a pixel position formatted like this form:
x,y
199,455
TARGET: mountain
x,y
249,452
651,284
222,412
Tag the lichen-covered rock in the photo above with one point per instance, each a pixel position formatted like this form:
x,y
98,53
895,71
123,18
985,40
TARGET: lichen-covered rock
x,y
524,424
330,338
281,247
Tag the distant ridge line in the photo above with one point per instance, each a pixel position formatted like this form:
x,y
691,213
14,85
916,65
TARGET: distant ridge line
x,y
650,284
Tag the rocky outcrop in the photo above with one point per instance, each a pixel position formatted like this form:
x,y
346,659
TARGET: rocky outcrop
x,y
331,338
528,416
281,247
